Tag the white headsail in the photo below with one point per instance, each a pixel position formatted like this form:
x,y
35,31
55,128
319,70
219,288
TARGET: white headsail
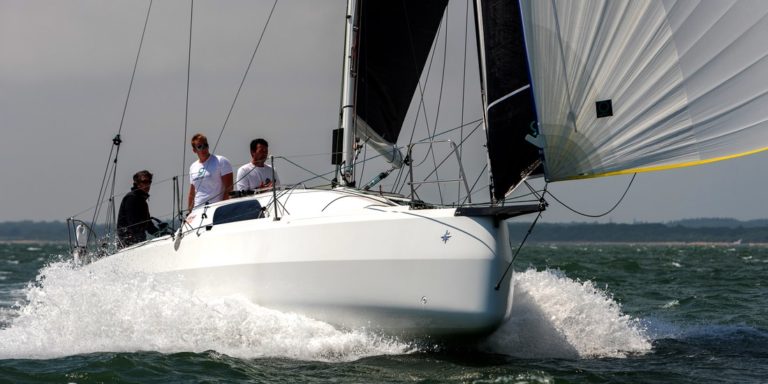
x,y
679,83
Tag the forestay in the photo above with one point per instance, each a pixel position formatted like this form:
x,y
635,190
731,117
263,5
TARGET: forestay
x,y
678,83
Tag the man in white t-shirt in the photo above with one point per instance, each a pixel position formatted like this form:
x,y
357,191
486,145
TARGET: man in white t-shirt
x,y
257,174
210,177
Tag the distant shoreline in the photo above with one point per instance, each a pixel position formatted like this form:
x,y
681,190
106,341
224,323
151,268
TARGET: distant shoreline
x,y
694,232
651,243
535,243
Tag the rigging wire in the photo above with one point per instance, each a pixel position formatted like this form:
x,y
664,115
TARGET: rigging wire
x,y
307,170
116,141
186,107
422,105
602,214
421,109
102,188
237,94
446,157
519,247
439,103
477,180
447,131
434,171
245,75
135,65
463,85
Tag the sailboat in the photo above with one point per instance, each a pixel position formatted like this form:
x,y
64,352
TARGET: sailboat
x,y
570,90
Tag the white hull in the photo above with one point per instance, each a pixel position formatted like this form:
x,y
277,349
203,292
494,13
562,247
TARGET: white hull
x,y
347,259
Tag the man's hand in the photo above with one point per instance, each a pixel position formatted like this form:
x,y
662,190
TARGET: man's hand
x,y
163,229
268,183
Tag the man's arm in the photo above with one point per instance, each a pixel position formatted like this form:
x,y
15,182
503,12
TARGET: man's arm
x,y
191,197
226,181
146,220
151,227
242,181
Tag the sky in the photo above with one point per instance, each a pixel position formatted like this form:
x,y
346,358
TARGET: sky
x,y
65,70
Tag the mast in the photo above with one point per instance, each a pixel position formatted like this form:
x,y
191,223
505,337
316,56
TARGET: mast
x,y
484,96
346,174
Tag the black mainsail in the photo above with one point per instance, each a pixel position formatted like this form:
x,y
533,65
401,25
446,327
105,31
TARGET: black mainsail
x,y
509,104
394,41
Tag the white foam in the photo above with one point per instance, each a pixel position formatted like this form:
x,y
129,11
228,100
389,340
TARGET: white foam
x,y
556,317
69,311
72,312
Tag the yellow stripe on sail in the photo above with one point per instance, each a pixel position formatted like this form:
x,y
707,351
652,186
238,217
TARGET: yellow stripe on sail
x,y
668,166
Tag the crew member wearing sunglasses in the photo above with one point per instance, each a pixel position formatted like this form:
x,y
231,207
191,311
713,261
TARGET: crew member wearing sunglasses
x,y
210,177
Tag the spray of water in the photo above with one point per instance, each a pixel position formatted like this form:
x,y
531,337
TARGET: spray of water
x,y
554,316
70,311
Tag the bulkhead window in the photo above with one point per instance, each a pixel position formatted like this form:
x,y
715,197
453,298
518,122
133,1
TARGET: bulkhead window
x,y
240,211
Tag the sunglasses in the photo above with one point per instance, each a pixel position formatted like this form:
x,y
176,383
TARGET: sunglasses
x,y
200,147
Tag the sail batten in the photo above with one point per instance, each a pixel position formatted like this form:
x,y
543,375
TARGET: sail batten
x,y
508,95
687,82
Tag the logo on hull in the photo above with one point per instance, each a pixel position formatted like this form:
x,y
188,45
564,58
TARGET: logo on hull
x,y
446,236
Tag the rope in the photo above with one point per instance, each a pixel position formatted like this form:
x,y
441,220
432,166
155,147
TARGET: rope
x,y
602,214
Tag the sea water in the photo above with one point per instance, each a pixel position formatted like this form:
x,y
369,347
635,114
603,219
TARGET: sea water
x,y
581,313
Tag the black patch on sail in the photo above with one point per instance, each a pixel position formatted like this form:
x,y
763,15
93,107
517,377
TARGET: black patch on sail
x,y
394,41
513,118
604,108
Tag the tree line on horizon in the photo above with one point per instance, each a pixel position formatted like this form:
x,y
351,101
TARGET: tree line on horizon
x,y
646,232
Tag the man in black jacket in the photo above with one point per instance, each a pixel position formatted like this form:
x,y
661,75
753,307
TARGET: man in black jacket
x,y
133,220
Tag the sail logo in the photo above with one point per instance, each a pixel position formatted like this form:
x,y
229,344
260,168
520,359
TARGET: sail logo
x,y
445,237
